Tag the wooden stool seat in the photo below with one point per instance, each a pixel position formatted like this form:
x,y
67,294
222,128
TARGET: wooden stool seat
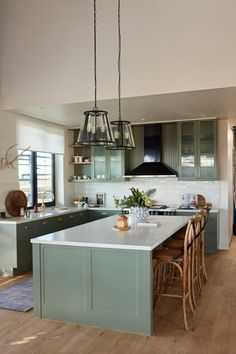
x,y
167,254
176,244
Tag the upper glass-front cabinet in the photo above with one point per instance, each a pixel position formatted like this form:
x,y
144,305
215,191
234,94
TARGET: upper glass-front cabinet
x,y
107,164
207,149
115,164
197,149
187,150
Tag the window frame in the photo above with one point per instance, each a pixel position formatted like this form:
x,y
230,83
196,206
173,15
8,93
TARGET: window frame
x,y
34,182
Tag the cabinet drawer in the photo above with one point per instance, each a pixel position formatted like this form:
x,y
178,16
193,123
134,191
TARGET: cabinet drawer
x,y
70,220
26,229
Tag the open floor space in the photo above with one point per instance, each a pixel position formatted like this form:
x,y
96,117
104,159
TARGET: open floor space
x,y
212,328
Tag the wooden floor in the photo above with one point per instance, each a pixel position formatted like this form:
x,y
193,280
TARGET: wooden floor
x,y
213,328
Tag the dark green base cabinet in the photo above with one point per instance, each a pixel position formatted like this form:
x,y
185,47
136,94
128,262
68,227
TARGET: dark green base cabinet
x,y
211,231
15,245
108,288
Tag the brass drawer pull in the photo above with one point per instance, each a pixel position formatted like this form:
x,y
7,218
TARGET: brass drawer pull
x,y
104,213
45,222
26,227
81,214
59,219
72,216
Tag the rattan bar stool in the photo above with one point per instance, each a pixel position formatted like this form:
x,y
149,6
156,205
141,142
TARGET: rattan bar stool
x,y
180,261
205,213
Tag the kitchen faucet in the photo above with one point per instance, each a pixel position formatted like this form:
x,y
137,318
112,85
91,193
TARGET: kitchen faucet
x,y
43,206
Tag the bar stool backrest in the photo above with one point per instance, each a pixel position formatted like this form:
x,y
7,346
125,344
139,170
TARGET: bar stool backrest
x,y
192,230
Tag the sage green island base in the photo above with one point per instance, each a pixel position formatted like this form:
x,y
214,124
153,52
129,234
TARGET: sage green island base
x,y
91,274
99,287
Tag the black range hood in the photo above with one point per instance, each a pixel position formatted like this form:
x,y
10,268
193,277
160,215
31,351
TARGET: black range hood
x,y
152,165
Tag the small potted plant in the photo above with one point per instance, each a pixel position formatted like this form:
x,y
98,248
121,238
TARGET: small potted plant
x,y
139,202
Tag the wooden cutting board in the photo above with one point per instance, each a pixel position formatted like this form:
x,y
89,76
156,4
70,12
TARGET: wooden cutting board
x,y
14,201
201,200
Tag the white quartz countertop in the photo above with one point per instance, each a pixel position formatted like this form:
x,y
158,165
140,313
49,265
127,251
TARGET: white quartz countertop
x,y
100,234
47,213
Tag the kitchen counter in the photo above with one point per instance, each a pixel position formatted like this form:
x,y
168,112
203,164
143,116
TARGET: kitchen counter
x,y
91,274
47,213
100,234
16,233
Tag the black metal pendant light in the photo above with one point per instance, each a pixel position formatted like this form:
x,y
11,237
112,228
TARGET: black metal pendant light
x,y
122,130
97,129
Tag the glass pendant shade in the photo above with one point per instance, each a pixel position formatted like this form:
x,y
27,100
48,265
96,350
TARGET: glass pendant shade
x,y
96,130
123,136
122,130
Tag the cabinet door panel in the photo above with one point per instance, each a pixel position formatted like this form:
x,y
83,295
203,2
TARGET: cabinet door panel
x,y
99,163
115,164
187,150
25,232
207,149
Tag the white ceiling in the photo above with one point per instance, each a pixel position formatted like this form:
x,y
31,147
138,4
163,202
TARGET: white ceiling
x,y
156,108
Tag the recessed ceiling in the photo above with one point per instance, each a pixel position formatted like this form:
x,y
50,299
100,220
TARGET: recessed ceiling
x,y
156,108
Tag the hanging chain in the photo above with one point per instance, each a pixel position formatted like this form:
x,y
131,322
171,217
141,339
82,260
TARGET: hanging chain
x,y
119,57
95,52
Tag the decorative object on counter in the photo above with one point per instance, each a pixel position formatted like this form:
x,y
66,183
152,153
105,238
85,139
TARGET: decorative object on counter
x,y
139,199
201,200
2,212
15,200
189,200
100,199
117,201
81,203
122,223
96,129
122,129
7,160
36,210
138,203
22,211
140,213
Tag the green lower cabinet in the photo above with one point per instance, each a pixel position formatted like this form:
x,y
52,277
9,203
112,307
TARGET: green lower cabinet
x,y
108,288
24,233
211,231
15,245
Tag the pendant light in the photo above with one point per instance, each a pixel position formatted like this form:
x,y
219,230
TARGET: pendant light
x,y
122,130
96,130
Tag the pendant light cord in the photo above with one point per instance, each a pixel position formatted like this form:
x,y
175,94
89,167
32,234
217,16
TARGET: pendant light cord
x,y
119,60
95,52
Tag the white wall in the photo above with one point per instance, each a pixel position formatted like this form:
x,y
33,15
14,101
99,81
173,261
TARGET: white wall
x,y
8,134
9,177
46,48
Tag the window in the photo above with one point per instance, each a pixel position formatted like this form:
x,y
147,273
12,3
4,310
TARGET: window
x,y
36,176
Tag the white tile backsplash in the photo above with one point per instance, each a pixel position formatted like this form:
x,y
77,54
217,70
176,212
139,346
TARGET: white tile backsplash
x,y
168,190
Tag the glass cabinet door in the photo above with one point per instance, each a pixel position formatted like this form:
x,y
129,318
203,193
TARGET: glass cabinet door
x,y
207,149
187,150
99,163
115,164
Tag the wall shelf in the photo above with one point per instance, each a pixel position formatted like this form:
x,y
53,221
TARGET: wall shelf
x,y
81,163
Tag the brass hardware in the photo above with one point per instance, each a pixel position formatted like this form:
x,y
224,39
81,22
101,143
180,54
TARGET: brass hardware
x,y
26,227
72,216
45,222
59,219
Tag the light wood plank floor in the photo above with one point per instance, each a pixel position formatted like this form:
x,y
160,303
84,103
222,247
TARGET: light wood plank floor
x,y
213,328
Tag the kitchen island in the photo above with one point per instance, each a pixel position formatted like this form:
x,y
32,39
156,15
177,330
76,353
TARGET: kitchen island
x,y
91,274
